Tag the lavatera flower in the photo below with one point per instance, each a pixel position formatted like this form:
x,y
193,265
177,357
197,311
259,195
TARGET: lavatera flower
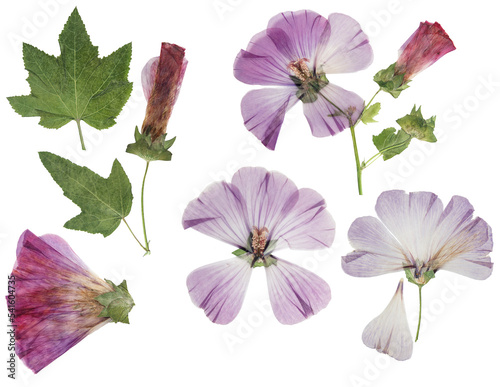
x,y
417,235
58,300
260,212
295,53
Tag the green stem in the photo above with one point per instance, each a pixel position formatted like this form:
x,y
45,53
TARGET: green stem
x,y
124,221
356,156
81,134
142,209
420,310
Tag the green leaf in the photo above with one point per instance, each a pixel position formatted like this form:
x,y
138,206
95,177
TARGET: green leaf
x,y
104,202
148,150
390,82
77,85
239,252
391,143
117,304
416,126
370,113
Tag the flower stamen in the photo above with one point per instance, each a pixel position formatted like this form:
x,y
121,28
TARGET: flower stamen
x,y
259,241
300,69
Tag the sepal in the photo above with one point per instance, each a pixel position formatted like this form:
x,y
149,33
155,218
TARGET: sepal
x,y
150,150
117,304
390,82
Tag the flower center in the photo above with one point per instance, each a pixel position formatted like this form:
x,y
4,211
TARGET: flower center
x,y
259,240
308,82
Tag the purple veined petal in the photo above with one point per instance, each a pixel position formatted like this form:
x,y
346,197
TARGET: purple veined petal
x,y
219,288
295,293
148,75
264,110
304,29
347,49
462,244
376,250
389,333
325,119
220,212
307,225
412,219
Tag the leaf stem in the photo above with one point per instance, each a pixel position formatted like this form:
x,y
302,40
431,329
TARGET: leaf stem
x,y
124,221
142,209
356,156
81,134
420,310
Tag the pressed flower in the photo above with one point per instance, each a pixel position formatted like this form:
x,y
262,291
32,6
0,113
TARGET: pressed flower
x,y
416,234
260,212
427,44
58,300
295,52
389,333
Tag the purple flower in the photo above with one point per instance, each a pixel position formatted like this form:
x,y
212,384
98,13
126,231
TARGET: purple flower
x,y
161,82
427,44
415,232
58,300
389,333
260,212
295,52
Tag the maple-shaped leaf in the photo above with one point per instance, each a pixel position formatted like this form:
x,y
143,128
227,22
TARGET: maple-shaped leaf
x,y
104,202
77,85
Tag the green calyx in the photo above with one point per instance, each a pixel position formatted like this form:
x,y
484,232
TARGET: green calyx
x,y
263,261
420,280
390,82
150,150
309,89
117,304
417,127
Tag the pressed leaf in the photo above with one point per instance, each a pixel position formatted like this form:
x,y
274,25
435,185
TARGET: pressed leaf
x,y
391,143
103,202
370,113
77,85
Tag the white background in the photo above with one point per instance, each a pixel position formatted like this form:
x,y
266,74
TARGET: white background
x,y
170,341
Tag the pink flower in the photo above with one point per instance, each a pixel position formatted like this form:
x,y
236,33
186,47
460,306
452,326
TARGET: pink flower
x,y
427,44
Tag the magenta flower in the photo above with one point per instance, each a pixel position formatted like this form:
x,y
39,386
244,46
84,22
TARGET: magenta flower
x,y
58,300
161,82
260,212
427,44
295,52
417,235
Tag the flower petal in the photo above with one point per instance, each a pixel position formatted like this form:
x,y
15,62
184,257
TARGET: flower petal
x,y
220,212
462,244
264,111
347,49
219,288
295,293
412,219
376,250
389,332
148,75
325,119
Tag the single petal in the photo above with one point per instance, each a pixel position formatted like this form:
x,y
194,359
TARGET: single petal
x,y
412,219
462,244
148,75
295,293
220,212
389,332
325,118
264,111
347,49
376,250
304,30
219,288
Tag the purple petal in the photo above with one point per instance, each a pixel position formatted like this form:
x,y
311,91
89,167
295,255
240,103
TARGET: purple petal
x,y
325,119
219,288
347,49
376,251
55,306
220,212
264,111
462,244
304,30
412,219
389,332
295,293
148,75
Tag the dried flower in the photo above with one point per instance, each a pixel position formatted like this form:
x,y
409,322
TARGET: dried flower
x,y
58,300
295,52
260,212
161,82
